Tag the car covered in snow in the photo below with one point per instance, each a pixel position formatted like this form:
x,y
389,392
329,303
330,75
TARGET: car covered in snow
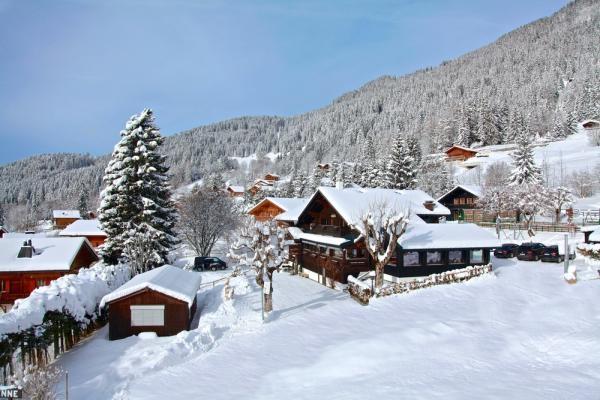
x,y
507,250
209,263
531,251
553,254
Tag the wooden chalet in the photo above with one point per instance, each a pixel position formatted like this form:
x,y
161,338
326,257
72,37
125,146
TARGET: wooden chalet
x,y
3,231
591,124
162,300
87,228
26,264
235,191
62,218
271,177
260,185
271,207
460,153
462,202
327,227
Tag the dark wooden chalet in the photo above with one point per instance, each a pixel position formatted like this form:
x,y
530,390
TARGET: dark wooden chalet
x,y
460,199
460,153
271,207
2,231
162,300
591,124
26,264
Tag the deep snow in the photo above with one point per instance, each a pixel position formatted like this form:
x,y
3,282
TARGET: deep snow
x,y
522,334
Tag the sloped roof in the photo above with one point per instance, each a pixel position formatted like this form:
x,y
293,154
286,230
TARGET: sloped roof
x,y
168,280
83,227
462,148
595,236
473,189
286,204
236,188
447,236
293,214
66,214
51,254
351,203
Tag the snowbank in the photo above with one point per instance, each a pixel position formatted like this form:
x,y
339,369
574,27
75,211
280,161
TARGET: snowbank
x,y
78,295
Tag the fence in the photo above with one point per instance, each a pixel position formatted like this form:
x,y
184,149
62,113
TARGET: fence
x,y
537,227
361,292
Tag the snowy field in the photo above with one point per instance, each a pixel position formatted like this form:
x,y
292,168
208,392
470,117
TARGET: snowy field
x,y
522,334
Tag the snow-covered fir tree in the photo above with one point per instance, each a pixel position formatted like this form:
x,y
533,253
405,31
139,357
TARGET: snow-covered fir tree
x,y
524,171
82,204
136,210
2,216
299,184
401,168
369,171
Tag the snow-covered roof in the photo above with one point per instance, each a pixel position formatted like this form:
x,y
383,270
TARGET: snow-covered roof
x,y
83,227
456,146
294,213
447,236
286,204
168,280
595,236
351,203
236,188
66,214
3,229
298,234
473,189
51,254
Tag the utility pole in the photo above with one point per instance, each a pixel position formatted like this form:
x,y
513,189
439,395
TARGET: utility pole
x,y
567,253
67,385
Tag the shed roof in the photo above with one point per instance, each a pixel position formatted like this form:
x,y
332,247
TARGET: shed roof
x,y
595,236
168,280
66,214
236,188
51,254
83,227
447,236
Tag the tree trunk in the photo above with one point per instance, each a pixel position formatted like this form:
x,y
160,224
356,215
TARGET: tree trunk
x,y
269,301
378,277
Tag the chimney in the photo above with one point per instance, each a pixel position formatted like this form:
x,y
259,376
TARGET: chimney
x,y
26,250
429,204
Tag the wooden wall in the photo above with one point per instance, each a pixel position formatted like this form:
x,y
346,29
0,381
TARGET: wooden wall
x,y
266,211
61,223
177,315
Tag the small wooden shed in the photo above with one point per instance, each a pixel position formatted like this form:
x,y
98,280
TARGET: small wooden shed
x,y
162,300
62,218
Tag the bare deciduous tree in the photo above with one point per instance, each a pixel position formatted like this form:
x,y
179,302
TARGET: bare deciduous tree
x,y
381,226
262,246
205,216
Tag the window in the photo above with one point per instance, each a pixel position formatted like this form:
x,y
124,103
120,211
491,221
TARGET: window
x,y
455,201
148,315
40,282
461,201
322,250
476,257
411,259
434,258
469,200
456,257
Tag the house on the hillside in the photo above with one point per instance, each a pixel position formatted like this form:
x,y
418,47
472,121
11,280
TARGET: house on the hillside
x,y
271,207
3,231
235,190
87,228
261,185
62,218
591,124
461,200
460,153
271,177
26,264
162,300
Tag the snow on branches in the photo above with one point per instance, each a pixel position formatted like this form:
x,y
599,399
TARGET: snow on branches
x,y
381,226
261,246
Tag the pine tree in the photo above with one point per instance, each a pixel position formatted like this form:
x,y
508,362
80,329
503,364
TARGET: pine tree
x,y
299,185
136,210
2,217
340,177
401,166
313,182
524,169
368,164
82,204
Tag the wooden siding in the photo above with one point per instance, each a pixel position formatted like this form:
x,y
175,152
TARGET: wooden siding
x,y
178,315
321,218
266,211
62,223
459,154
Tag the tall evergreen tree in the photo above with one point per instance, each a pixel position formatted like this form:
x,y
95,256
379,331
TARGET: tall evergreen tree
x,y
136,210
2,217
524,169
82,204
368,167
401,166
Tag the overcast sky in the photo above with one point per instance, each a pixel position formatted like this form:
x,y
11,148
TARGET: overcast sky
x,y
73,71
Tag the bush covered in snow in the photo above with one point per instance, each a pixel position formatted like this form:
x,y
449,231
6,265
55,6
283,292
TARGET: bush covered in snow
x,y
589,249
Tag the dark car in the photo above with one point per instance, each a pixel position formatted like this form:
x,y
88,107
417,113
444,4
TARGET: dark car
x,y
209,263
530,251
507,250
552,254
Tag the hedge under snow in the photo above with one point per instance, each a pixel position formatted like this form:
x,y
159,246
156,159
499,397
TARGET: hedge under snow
x,y
78,295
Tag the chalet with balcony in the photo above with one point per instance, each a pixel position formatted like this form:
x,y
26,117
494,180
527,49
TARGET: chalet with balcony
x,y
62,218
462,203
271,207
86,228
26,264
328,244
460,153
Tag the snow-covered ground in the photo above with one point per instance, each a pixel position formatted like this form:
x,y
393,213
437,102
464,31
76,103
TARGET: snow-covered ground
x,y
522,333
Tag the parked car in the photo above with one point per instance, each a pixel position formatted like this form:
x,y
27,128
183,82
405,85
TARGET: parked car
x,y
530,251
209,263
552,254
507,250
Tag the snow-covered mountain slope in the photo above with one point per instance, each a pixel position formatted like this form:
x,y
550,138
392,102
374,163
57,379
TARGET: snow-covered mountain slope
x,y
522,334
560,158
